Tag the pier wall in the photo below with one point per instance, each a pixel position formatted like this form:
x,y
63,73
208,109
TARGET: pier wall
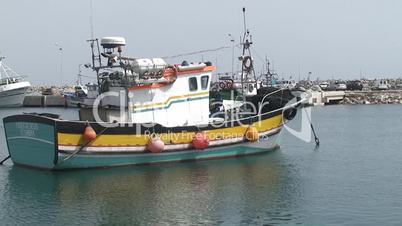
x,y
44,101
326,97
355,97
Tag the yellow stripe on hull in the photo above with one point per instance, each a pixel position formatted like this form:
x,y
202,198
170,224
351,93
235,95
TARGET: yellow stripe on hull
x,y
168,138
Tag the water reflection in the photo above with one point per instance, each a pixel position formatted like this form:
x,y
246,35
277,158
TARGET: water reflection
x,y
251,190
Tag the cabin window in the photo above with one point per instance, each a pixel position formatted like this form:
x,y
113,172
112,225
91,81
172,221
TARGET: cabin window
x,y
192,83
204,82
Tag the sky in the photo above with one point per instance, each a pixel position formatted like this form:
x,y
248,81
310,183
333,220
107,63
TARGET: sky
x,y
331,38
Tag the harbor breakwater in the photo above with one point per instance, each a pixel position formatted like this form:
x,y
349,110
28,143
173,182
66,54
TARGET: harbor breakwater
x,y
373,97
318,98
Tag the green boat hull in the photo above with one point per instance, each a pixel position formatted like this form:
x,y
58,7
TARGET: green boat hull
x,y
32,144
32,141
98,160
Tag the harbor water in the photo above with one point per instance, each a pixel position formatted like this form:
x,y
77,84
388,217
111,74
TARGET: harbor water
x,y
353,178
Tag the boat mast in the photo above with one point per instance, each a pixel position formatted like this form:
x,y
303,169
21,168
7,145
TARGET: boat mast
x,y
247,61
1,65
91,19
96,58
79,79
244,50
270,74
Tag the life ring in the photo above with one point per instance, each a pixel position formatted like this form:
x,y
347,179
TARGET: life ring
x,y
151,74
250,88
222,85
170,73
229,85
289,113
247,62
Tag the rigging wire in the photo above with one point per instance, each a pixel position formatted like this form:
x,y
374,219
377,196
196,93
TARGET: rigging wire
x,y
258,56
198,52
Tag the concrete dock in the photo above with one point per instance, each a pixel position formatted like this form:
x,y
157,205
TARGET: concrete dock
x,y
44,101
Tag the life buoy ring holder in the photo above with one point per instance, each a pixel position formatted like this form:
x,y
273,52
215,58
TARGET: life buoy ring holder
x,y
229,84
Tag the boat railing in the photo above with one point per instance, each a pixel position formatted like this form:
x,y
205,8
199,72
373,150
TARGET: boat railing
x,y
11,80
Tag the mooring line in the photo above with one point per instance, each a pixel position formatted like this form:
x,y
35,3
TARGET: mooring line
x,y
317,141
5,159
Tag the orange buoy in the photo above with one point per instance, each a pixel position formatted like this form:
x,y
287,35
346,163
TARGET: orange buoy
x,y
89,133
155,145
200,140
252,134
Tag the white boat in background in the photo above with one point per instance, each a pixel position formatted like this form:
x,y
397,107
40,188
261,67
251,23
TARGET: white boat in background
x,y
324,85
12,87
83,95
381,84
341,86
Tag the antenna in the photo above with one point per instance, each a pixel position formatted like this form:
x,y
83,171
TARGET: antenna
x,y
91,19
60,49
298,67
244,18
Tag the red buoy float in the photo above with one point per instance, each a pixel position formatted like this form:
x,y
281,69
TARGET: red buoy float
x,y
200,141
89,133
252,134
155,145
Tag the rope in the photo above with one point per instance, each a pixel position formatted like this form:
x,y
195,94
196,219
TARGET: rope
x,y
317,141
82,147
5,159
198,52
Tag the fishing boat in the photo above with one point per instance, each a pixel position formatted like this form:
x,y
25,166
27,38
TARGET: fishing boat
x,y
12,87
83,95
149,111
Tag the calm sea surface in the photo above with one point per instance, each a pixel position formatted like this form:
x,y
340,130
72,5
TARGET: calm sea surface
x,y
354,178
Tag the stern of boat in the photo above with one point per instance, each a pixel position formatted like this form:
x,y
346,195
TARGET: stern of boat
x,y
31,140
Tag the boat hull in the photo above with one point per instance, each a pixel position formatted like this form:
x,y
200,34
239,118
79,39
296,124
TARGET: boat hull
x,y
12,98
42,142
107,160
32,143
